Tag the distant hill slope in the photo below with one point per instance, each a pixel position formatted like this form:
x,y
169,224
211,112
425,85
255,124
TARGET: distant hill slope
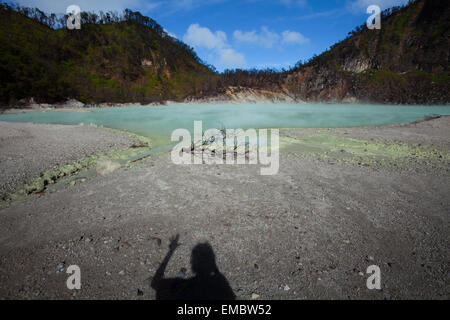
x,y
407,61
125,59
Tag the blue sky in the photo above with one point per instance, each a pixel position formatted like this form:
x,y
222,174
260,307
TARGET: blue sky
x,y
244,33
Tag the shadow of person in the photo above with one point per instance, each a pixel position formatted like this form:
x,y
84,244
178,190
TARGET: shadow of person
x,y
207,284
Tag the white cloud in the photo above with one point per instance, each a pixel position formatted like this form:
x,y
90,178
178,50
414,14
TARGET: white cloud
x,y
267,38
217,43
360,6
173,35
292,37
232,59
203,37
249,36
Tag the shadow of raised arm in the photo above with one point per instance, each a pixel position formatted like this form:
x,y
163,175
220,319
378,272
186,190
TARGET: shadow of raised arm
x,y
159,275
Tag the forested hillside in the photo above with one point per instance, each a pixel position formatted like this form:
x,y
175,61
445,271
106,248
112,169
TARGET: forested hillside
x,y
111,59
407,61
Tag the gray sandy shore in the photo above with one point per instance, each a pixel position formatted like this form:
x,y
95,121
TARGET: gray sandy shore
x,y
28,149
310,231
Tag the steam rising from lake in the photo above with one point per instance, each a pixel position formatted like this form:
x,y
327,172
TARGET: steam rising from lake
x,y
158,122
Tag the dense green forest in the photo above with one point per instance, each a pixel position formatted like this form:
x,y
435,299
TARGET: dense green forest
x,y
128,57
406,61
116,58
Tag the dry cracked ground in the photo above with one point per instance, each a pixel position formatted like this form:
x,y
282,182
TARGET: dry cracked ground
x,y
311,231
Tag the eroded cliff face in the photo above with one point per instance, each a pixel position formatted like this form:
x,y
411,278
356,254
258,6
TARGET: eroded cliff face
x,y
358,64
320,84
407,61
248,95
156,64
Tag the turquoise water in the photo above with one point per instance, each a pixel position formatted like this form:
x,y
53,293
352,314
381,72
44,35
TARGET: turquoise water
x,y
159,122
